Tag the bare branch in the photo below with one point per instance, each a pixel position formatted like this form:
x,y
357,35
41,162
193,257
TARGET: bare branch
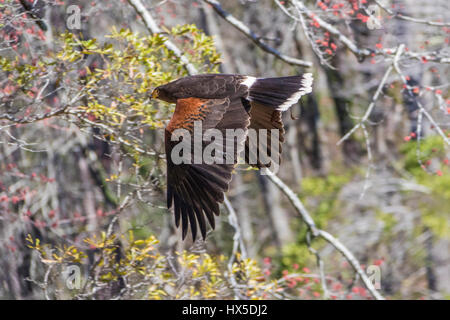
x,y
411,19
80,116
237,242
306,217
421,108
239,25
360,53
58,111
233,220
301,8
374,97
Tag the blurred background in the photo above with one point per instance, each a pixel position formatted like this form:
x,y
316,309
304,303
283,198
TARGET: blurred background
x,y
82,169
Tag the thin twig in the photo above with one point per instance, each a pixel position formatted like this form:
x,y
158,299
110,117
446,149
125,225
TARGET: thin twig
x,y
58,111
411,19
422,109
320,265
374,97
237,242
233,220
360,53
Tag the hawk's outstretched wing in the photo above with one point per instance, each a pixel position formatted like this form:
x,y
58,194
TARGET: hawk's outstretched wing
x,y
196,189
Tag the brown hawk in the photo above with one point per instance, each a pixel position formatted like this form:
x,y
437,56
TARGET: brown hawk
x,y
221,102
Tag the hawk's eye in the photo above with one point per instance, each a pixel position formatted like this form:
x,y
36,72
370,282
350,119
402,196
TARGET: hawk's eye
x,y
155,93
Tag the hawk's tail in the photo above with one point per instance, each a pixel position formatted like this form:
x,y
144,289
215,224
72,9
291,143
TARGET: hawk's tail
x,y
280,93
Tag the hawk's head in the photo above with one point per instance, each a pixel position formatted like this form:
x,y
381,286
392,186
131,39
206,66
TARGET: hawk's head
x,y
162,93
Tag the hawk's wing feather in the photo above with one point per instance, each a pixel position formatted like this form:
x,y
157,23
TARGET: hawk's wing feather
x,y
196,190
177,208
264,117
205,200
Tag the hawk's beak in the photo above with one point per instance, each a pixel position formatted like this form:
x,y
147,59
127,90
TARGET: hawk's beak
x,y
155,94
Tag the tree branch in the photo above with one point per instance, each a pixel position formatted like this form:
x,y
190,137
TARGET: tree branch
x,y
152,27
421,108
360,53
58,111
301,8
374,97
306,217
237,242
239,25
411,19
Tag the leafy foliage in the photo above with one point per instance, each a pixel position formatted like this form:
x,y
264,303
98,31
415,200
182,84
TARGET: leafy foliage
x,y
144,272
431,155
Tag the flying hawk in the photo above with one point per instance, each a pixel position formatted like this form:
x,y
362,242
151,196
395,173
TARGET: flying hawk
x,y
221,102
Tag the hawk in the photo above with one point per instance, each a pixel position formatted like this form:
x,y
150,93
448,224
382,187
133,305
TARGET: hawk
x,y
221,102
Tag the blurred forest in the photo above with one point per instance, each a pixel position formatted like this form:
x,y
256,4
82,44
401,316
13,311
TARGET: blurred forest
x,y
358,210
